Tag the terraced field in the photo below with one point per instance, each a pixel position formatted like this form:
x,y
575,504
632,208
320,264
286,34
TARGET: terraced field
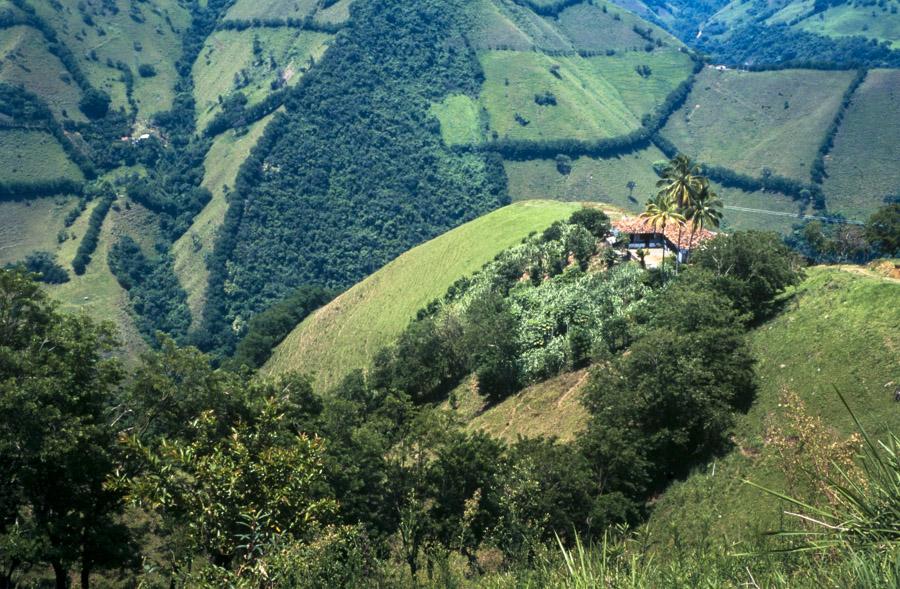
x,y
25,61
29,156
252,61
223,160
136,33
755,121
345,334
31,225
607,180
862,167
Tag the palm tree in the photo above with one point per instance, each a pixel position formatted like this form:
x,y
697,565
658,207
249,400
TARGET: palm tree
x,y
681,181
705,210
662,211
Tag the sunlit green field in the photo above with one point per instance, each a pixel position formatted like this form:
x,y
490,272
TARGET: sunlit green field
x,y
345,334
595,97
31,225
755,121
30,156
25,61
862,167
228,64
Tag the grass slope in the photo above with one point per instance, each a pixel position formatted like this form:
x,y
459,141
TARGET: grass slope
x,y
862,167
25,61
548,409
600,96
285,54
606,180
97,292
222,162
136,33
750,121
841,328
30,156
345,334
250,9
32,225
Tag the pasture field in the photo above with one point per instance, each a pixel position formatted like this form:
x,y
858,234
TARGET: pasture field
x,y
862,167
754,121
32,225
606,180
461,120
222,162
25,61
229,64
876,22
97,292
137,33
601,26
345,334
337,13
838,330
494,28
28,155
250,9
595,97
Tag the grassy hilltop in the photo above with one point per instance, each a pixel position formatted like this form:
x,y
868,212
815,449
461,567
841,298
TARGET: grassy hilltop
x,y
345,334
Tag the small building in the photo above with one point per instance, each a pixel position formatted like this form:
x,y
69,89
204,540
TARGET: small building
x,y
643,235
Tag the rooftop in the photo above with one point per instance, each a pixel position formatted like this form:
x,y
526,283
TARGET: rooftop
x,y
637,225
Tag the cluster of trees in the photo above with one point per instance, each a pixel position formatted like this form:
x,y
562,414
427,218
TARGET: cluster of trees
x,y
259,481
106,195
526,316
157,298
763,43
44,267
354,175
837,241
817,170
235,112
550,8
307,24
20,190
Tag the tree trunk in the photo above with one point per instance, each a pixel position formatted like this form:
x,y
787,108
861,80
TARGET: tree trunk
x,y
61,574
678,248
691,240
85,578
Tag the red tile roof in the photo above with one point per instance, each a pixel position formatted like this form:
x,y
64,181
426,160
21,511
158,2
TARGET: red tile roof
x,y
638,225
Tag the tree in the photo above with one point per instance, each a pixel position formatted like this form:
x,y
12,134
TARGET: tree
x,y
751,267
94,103
883,230
680,181
661,212
56,441
704,210
592,219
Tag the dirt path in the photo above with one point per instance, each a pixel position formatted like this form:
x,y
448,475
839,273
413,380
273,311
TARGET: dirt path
x,y
572,389
864,271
